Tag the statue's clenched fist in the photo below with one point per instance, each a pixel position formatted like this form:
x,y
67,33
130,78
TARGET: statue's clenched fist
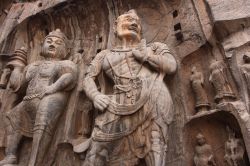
x,y
101,102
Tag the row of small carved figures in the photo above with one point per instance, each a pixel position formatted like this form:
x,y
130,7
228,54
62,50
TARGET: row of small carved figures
x,y
234,151
219,80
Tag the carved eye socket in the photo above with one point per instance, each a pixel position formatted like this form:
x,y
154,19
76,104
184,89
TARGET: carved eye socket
x,y
49,41
59,42
130,19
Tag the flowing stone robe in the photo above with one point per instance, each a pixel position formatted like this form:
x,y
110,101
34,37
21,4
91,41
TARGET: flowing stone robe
x,y
140,98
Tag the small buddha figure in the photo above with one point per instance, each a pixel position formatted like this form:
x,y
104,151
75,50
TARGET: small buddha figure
x,y
234,150
219,80
48,82
203,152
197,83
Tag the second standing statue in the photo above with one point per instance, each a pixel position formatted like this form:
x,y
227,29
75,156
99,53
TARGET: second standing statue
x,y
134,118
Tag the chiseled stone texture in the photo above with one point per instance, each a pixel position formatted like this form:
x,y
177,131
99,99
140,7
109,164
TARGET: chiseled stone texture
x,y
210,100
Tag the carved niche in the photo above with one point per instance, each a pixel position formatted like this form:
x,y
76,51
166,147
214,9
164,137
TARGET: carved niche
x,y
129,82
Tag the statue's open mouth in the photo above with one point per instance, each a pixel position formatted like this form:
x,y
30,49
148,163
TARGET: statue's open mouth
x,y
51,49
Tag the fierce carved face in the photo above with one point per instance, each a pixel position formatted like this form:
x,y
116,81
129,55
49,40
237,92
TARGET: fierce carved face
x,y
54,47
128,25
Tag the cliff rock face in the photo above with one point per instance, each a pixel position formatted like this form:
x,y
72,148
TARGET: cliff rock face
x,y
209,89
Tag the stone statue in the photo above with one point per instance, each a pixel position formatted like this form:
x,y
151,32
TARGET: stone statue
x,y
234,150
219,80
135,113
197,83
203,152
48,82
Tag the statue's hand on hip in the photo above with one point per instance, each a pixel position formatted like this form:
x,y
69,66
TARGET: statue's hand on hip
x,y
101,102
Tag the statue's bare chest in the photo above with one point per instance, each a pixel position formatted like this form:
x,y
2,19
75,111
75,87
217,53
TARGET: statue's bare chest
x,y
120,63
113,59
46,70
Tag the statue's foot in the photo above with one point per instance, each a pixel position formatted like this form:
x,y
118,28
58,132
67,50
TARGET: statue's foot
x,y
8,160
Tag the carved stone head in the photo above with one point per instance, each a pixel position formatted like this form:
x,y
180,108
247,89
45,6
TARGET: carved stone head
x,y
128,25
193,70
200,139
55,45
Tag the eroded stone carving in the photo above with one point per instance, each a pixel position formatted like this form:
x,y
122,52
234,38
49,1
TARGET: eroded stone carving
x,y
36,116
234,150
219,80
9,84
197,83
13,70
134,117
203,152
245,68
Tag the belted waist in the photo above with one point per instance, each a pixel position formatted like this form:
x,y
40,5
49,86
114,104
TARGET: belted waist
x,y
132,84
32,96
127,109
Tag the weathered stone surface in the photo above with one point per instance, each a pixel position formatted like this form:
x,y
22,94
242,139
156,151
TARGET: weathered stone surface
x,y
212,35
229,10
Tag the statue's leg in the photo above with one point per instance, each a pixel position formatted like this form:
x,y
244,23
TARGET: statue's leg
x,y
97,155
13,139
156,156
48,113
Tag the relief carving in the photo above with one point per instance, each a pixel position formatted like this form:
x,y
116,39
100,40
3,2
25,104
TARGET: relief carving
x,y
203,152
245,68
12,72
133,118
48,82
234,150
113,94
9,84
197,83
219,80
